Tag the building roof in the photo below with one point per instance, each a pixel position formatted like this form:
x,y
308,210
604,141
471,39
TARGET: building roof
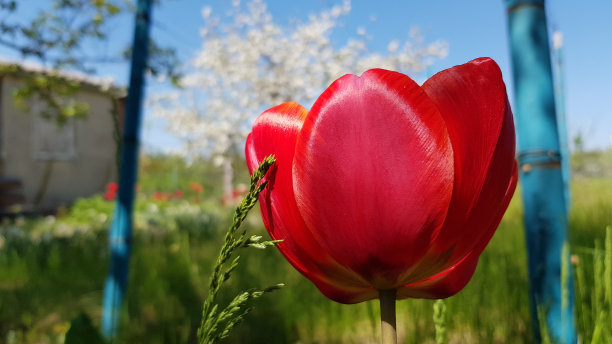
x,y
104,85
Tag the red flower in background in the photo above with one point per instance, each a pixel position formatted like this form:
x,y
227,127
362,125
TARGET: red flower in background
x,y
110,193
239,191
158,196
386,184
112,186
161,196
178,194
196,187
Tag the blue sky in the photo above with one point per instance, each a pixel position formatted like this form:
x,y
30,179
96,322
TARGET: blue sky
x,y
472,28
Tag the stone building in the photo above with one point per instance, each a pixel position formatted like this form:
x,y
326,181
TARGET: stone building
x,y
44,165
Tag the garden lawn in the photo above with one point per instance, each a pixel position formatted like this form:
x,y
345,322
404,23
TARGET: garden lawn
x,y
53,269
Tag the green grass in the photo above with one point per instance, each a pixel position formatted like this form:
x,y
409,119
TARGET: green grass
x,y
51,270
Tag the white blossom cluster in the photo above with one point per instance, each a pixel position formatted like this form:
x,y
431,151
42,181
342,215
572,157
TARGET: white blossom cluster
x,y
249,63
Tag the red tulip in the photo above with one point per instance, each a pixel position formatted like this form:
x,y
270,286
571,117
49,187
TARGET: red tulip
x,y
386,184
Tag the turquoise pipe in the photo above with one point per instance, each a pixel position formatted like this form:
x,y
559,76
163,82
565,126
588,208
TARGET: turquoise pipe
x,y
561,114
539,157
120,234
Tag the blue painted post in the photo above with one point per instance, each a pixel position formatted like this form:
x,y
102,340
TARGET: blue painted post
x,y
540,171
561,116
120,234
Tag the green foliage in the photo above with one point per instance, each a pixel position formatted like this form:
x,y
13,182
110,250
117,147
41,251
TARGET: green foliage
x,y
164,62
59,37
216,324
591,164
90,210
593,279
543,327
56,94
169,173
82,330
439,319
52,269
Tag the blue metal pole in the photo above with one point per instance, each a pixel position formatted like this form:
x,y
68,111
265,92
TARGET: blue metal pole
x,y
120,234
539,158
561,115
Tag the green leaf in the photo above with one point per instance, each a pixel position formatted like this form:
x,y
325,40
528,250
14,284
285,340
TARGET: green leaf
x,y
97,19
112,9
82,330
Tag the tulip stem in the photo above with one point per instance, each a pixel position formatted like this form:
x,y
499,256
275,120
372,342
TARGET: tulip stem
x,y
387,316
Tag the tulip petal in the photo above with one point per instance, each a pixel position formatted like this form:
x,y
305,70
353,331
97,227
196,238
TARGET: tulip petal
x,y
373,173
274,132
443,285
472,100
453,280
496,192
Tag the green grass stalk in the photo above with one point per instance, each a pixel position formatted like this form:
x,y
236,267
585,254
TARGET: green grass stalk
x,y
216,324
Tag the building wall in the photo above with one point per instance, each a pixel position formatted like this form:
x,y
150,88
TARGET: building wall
x,y
80,174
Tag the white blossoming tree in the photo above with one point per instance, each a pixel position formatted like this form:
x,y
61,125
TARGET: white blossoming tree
x,y
249,63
